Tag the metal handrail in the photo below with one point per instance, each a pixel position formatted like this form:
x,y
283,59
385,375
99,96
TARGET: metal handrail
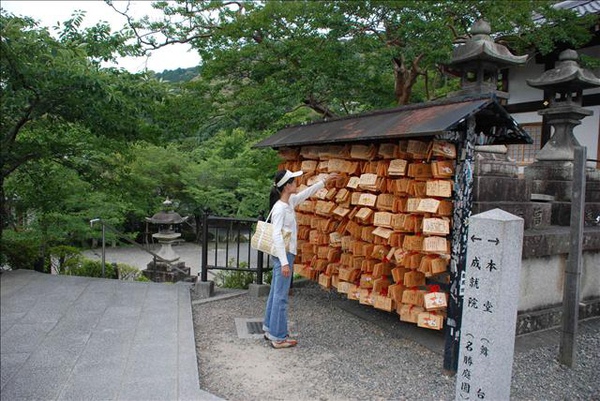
x,y
205,267
123,237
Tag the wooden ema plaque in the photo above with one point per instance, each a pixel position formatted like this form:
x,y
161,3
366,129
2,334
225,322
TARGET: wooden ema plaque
x,y
381,231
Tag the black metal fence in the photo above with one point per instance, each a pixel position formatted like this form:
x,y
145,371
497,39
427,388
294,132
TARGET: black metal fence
x,y
226,246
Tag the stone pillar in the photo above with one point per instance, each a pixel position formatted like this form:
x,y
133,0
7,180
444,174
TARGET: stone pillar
x,y
490,302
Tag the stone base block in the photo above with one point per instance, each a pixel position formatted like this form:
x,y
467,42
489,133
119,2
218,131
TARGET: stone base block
x,y
550,170
166,277
529,322
165,267
561,214
161,272
555,240
563,190
498,168
493,188
204,289
258,290
558,171
535,214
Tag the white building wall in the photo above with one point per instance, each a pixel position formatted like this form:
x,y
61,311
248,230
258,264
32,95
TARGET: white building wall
x,y
517,85
542,280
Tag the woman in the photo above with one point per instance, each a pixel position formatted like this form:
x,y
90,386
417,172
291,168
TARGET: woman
x,y
284,198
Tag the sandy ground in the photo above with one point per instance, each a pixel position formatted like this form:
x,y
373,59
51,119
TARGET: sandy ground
x,y
351,362
345,355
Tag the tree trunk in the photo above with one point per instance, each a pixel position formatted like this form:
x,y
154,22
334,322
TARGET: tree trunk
x,y
405,78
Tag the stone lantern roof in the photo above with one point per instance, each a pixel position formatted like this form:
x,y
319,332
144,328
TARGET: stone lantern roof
x,y
481,47
566,76
166,216
478,61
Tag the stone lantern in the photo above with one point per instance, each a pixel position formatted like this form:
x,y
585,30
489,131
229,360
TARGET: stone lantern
x,y
565,84
551,175
478,61
166,267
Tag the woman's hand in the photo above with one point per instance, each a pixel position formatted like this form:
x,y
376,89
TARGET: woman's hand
x,y
286,271
332,177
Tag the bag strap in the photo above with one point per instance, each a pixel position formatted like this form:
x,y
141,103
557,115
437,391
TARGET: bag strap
x,y
268,216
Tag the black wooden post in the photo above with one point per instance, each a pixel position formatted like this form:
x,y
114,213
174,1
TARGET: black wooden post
x,y
260,260
204,267
463,203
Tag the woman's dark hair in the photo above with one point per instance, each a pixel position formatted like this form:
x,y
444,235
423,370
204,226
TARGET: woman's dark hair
x,y
275,190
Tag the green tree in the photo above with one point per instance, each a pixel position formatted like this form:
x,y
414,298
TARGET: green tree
x,y
268,58
228,177
58,107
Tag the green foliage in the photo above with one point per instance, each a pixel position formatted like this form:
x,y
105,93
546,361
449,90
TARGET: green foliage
x,y
59,200
179,74
142,278
20,249
67,260
62,259
92,268
229,177
80,141
264,60
130,273
268,276
60,114
234,278
591,63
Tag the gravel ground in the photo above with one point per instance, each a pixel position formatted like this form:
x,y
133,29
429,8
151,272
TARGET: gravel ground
x,y
343,355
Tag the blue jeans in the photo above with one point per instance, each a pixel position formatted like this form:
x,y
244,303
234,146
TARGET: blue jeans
x,y
275,323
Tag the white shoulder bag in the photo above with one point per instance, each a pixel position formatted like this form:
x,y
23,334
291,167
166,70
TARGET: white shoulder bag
x,y
262,239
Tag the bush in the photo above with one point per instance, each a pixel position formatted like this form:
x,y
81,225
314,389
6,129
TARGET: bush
x,y
234,278
130,273
21,249
92,268
62,259
267,276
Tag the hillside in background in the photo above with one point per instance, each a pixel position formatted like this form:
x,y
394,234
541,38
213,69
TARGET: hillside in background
x,y
179,75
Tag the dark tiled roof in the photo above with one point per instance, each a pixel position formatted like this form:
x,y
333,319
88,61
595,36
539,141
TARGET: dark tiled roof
x,y
425,119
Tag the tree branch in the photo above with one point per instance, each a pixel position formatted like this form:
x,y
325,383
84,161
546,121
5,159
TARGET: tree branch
x,y
318,107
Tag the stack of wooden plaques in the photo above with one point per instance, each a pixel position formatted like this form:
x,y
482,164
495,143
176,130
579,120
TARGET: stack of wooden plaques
x,y
381,232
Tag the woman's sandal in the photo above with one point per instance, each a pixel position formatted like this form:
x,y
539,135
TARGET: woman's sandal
x,y
266,336
287,343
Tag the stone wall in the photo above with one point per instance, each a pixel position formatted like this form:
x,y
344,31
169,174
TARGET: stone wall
x,y
546,240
